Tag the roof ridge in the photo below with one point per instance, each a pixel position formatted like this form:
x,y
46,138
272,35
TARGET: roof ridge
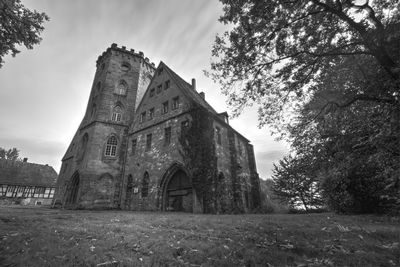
x,y
187,87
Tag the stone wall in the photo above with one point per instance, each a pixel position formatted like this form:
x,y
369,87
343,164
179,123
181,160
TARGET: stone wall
x,y
99,175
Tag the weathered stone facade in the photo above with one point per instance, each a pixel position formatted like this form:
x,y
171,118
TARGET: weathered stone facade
x,y
150,141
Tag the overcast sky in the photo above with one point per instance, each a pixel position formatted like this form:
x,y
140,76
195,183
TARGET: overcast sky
x,y
44,91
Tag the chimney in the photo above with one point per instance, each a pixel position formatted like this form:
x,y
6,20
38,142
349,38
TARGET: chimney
x,y
194,84
202,95
25,159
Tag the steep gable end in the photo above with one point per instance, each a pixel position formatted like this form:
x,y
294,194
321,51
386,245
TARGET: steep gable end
x,y
163,99
188,90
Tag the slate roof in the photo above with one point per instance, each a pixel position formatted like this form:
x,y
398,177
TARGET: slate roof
x,y
26,173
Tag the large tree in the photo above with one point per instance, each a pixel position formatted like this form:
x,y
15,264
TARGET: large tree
x,y
333,67
279,52
18,26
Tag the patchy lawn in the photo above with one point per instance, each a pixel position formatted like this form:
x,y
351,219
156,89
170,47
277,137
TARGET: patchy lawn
x,y
46,237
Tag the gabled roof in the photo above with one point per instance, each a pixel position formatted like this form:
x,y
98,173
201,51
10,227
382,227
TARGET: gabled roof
x,y
25,173
191,94
187,88
182,86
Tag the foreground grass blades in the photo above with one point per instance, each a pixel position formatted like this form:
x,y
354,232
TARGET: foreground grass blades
x,y
46,237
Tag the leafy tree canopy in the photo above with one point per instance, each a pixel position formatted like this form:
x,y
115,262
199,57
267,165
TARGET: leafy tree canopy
x,y
280,53
333,66
295,184
10,154
18,26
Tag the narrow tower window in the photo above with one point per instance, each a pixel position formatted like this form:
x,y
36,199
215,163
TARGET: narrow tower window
x,y
145,184
117,114
121,88
167,136
134,145
111,147
148,142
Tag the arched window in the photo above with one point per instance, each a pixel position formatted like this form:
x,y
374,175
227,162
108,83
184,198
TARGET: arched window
x,y
145,184
111,147
117,114
82,147
121,88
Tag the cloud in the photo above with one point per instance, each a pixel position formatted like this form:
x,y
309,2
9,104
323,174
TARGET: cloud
x,y
44,91
36,150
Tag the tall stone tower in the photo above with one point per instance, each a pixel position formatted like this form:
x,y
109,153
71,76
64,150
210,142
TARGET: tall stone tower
x,y
90,174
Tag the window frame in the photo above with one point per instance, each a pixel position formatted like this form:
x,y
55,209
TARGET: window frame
x,y
133,146
159,89
165,107
111,147
118,89
175,103
117,114
152,92
142,118
167,84
167,136
145,185
151,114
149,141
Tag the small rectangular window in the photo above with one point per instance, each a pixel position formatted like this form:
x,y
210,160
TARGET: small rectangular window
x,y
218,133
175,102
134,144
160,71
165,107
159,89
167,84
148,142
152,92
151,113
142,117
167,136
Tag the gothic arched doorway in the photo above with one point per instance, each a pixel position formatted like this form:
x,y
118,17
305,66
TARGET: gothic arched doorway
x,y
177,191
72,191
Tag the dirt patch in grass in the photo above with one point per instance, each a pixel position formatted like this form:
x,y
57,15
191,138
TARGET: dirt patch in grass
x,y
46,237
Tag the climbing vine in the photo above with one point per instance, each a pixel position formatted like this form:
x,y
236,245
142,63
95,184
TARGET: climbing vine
x,y
199,155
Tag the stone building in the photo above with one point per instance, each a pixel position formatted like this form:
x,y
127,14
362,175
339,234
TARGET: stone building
x,y
26,183
150,141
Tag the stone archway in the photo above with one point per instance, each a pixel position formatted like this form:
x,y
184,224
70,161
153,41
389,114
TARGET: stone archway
x,y
72,191
177,190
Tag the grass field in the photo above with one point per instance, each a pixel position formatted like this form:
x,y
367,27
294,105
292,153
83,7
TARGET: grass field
x,y
47,237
